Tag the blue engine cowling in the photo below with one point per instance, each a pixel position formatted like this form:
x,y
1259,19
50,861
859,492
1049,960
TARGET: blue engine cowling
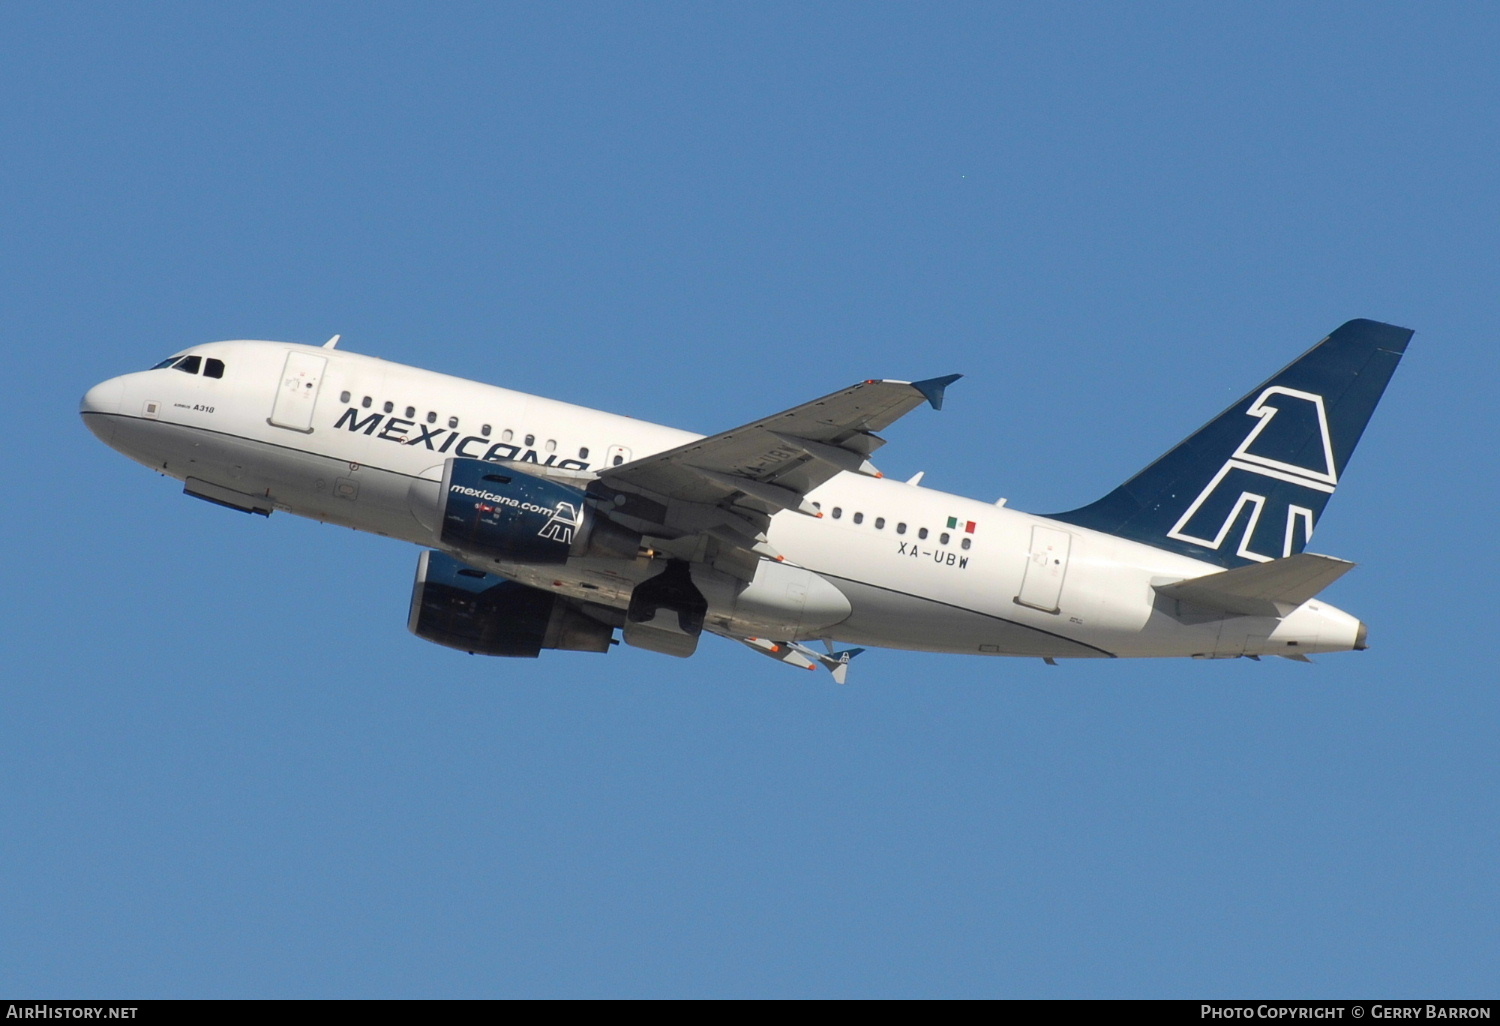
x,y
496,511
458,606
508,515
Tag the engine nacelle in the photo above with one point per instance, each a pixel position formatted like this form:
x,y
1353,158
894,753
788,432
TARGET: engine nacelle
x,y
502,513
458,606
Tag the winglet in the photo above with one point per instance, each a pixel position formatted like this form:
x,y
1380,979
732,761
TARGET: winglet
x,y
933,388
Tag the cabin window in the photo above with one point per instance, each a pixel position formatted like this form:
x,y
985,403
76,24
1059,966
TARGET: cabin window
x,y
213,368
900,528
507,435
188,364
530,441
484,430
431,417
411,413
618,460
922,533
965,543
453,423
389,407
859,518
365,402
837,512
943,538
344,397
583,453
551,445
880,523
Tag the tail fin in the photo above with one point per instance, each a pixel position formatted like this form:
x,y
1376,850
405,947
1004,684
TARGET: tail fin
x,y
1249,486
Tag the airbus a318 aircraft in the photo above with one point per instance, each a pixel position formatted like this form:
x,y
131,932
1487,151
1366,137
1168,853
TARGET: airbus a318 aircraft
x,y
551,526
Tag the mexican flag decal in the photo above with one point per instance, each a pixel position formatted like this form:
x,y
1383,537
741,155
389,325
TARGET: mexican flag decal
x,y
955,524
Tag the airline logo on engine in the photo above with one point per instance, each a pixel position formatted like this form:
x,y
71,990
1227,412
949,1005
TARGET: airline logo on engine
x,y
565,521
1255,475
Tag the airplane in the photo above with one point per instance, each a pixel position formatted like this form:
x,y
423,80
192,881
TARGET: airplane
x,y
549,526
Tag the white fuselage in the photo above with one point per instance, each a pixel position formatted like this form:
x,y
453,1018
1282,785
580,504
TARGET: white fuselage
x,y
1001,582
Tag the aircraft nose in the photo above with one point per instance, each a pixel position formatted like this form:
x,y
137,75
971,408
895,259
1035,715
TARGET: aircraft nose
x,y
96,406
102,398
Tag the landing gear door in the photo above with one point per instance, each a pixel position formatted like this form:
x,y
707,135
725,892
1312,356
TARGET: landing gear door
x,y
1047,565
297,392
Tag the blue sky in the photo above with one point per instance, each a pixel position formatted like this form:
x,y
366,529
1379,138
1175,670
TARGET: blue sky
x,y
228,770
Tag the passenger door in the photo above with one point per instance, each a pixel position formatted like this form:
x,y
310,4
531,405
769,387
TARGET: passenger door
x,y
1047,565
297,393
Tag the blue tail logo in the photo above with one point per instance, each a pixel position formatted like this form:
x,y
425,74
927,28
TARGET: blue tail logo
x,y
1241,471
1250,485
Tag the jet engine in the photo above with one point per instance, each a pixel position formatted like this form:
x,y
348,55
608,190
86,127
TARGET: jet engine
x,y
458,606
503,513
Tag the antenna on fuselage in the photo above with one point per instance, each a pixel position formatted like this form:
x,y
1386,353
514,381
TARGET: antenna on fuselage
x,y
333,342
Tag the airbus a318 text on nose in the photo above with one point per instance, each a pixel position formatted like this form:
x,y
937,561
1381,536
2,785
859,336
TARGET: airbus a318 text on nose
x,y
551,526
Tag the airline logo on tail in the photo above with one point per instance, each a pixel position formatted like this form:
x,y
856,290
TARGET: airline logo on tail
x,y
1211,517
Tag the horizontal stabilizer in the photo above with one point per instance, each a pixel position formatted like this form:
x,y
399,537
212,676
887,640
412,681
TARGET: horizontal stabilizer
x,y
780,651
794,654
1274,588
837,663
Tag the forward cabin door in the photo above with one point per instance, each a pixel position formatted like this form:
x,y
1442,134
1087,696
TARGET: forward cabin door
x,y
1046,567
298,391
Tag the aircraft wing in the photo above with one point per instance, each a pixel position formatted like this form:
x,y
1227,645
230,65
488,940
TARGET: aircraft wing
x,y
725,487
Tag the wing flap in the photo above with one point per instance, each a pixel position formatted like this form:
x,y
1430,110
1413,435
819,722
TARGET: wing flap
x,y
773,496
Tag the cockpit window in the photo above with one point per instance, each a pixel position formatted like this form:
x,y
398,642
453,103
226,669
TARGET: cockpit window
x,y
191,364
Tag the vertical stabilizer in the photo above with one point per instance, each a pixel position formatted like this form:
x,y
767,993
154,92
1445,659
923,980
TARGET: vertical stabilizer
x,y
1250,485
